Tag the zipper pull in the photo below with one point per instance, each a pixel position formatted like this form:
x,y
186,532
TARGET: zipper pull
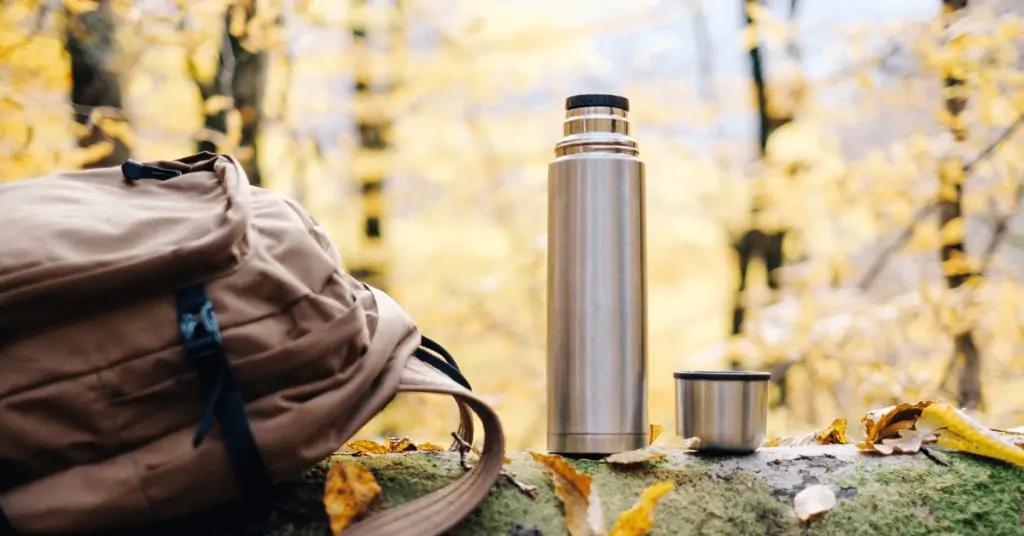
x,y
134,170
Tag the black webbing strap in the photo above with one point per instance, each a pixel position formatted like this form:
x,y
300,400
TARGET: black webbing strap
x,y
201,339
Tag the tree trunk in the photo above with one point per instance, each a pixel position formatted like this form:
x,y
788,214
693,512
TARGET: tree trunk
x,y
91,44
241,75
966,360
899,494
756,243
248,81
373,123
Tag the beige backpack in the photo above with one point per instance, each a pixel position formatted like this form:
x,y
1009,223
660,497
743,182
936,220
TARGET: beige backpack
x,y
172,339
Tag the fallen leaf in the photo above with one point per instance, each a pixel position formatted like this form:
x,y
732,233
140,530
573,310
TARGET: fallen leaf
x,y
396,444
583,515
391,445
366,446
653,452
639,519
956,430
909,442
835,434
349,491
655,431
886,422
813,501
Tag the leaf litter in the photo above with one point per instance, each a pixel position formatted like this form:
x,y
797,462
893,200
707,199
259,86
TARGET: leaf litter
x,y
835,434
582,503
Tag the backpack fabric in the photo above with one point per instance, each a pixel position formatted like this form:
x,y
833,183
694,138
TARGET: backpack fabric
x,y
173,338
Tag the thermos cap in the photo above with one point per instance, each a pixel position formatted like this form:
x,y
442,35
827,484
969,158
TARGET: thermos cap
x,y
596,99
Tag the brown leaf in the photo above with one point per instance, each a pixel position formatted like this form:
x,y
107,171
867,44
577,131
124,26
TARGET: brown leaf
x,y
835,434
653,452
583,515
887,422
655,431
639,519
813,501
349,491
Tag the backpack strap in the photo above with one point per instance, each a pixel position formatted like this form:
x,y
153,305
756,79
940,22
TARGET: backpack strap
x,y
201,340
438,512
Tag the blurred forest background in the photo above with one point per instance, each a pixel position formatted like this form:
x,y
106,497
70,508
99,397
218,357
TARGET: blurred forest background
x,y
833,187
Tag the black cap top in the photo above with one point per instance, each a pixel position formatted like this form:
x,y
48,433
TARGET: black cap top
x,y
596,99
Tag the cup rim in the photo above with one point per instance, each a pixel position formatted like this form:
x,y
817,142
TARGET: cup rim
x,y
723,375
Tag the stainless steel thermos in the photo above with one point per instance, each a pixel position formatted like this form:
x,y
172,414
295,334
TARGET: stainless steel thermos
x,y
597,288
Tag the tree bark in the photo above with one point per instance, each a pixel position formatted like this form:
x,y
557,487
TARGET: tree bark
x,y
966,360
91,44
241,74
899,494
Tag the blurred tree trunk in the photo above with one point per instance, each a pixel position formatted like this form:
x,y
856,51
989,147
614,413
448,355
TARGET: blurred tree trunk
x,y
966,364
373,122
240,79
91,43
755,243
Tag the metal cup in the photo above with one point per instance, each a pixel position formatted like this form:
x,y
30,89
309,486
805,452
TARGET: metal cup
x,y
727,410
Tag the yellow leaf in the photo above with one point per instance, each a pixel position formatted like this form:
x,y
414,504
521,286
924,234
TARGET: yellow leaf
x,y
813,501
639,519
217,104
583,515
77,7
655,431
366,446
399,444
924,237
349,491
951,171
952,232
430,447
958,266
835,434
957,430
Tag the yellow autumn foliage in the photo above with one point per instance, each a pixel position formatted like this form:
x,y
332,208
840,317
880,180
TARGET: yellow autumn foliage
x,y
475,114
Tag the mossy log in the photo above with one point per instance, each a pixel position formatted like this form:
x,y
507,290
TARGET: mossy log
x,y
946,493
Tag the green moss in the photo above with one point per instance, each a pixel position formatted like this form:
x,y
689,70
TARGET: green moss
x,y
969,496
908,495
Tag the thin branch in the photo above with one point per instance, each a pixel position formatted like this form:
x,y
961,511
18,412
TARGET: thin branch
x,y
883,258
465,448
1006,134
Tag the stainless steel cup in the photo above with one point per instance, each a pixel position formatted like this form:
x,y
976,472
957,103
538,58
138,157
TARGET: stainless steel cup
x,y
597,292
727,410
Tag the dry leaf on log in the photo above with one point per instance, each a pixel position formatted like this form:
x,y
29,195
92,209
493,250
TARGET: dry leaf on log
x,y
956,430
835,434
391,445
583,515
653,452
886,423
349,491
639,519
813,501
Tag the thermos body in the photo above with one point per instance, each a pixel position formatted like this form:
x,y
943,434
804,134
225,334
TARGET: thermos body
x,y
596,316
